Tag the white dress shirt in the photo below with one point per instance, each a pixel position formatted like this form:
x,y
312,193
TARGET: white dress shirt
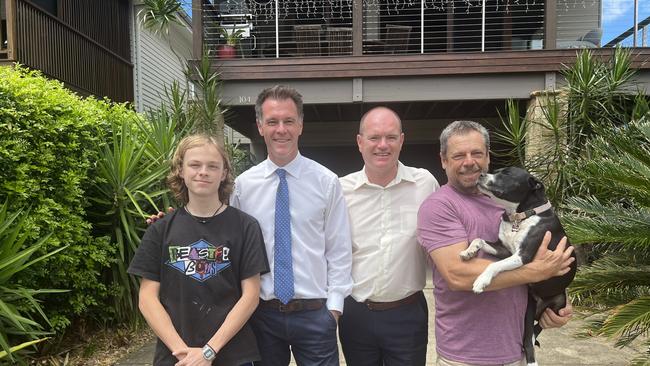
x,y
320,231
388,264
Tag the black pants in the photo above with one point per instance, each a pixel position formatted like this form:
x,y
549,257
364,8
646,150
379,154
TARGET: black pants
x,y
391,337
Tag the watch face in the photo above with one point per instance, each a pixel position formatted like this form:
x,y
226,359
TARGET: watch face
x,y
208,353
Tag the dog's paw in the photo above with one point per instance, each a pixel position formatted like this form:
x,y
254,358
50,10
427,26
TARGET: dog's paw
x,y
481,283
467,254
532,364
472,249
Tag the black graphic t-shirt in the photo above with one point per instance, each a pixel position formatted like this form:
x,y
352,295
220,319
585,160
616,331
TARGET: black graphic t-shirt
x,y
200,268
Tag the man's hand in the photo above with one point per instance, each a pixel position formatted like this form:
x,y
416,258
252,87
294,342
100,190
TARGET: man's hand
x,y
551,320
191,356
550,263
160,215
336,314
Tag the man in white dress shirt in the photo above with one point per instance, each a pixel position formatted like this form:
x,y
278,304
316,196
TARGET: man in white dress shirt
x,y
386,316
320,239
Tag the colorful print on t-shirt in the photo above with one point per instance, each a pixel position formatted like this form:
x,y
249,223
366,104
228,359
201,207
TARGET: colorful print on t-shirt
x,y
200,260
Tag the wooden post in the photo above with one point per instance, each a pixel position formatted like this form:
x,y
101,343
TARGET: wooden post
x,y
10,9
357,27
197,29
550,24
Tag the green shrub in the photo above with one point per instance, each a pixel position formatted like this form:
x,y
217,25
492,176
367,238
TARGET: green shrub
x,y
48,137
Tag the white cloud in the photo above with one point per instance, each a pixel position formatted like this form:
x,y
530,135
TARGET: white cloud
x,y
616,9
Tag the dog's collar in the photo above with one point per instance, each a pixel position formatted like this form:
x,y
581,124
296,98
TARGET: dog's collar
x,y
517,217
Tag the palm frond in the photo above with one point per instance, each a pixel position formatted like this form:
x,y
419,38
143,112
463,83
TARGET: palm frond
x,y
609,281
644,358
587,220
628,321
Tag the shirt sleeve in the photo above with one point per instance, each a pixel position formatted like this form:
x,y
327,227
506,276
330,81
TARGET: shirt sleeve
x,y
234,197
434,182
253,259
338,248
146,262
439,225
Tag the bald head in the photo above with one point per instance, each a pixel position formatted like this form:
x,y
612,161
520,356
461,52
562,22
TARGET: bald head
x,y
380,113
380,141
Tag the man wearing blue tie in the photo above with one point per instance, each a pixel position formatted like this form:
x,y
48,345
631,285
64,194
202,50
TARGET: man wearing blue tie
x,y
303,215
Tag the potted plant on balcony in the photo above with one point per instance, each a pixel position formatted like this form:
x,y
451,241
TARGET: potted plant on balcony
x,y
232,38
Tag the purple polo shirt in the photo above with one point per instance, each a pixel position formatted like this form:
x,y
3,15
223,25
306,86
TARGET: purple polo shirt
x,y
480,329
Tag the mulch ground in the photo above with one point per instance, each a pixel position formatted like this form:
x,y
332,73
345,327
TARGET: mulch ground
x,y
102,347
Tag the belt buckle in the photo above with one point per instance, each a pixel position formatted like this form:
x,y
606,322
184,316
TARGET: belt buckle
x,y
291,306
370,306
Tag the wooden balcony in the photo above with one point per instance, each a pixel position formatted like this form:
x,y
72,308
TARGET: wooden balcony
x,y
367,38
433,54
497,62
76,55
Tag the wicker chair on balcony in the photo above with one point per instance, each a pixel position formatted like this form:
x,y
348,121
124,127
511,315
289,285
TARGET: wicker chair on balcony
x,y
397,38
339,41
307,39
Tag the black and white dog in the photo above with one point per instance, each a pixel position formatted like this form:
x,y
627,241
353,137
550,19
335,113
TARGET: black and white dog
x,y
527,218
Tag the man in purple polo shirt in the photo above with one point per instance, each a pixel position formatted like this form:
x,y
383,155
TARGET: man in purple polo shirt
x,y
486,328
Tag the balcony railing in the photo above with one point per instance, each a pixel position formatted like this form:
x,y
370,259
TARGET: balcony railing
x,y
633,37
311,28
39,40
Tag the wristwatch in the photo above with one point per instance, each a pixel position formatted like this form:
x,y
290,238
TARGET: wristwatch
x,y
208,353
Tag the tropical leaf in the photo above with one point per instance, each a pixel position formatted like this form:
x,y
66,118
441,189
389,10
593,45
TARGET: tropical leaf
x,y
21,346
158,15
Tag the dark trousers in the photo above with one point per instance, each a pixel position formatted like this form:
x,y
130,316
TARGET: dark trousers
x,y
391,337
309,334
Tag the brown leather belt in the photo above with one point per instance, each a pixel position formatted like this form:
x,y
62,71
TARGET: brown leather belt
x,y
381,306
293,305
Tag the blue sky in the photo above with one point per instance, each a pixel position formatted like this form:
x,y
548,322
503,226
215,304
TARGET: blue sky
x,y
618,16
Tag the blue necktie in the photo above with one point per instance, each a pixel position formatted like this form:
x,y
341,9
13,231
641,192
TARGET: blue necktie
x,y
283,267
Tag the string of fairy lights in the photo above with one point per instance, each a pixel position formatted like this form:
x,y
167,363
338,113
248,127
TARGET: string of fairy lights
x,y
264,10
341,8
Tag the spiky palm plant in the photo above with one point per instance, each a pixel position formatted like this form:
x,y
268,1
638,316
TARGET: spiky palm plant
x,y
595,161
129,176
19,304
205,112
598,94
207,109
158,15
616,215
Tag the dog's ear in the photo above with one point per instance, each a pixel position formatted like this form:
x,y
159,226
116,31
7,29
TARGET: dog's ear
x,y
535,183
